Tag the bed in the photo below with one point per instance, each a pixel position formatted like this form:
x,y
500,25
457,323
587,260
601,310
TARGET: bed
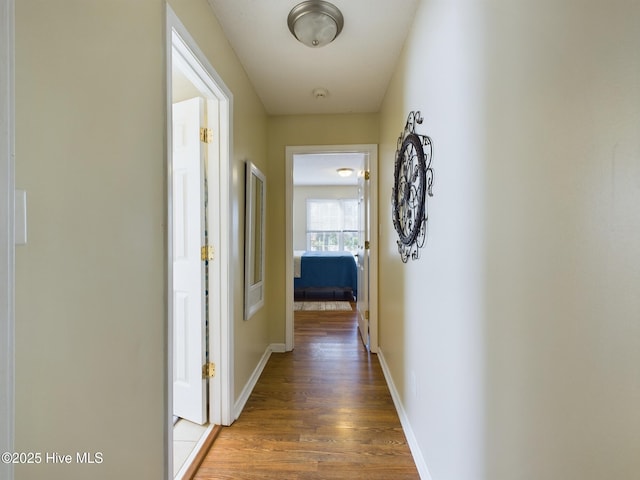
x,y
327,275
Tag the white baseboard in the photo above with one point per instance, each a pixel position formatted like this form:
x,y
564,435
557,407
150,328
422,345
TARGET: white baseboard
x,y
421,465
251,383
418,458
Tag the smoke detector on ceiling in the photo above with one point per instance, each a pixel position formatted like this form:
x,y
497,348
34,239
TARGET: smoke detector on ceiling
x,y
320,93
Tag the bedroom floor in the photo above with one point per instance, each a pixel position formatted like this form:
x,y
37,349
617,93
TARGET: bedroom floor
x,y
322,306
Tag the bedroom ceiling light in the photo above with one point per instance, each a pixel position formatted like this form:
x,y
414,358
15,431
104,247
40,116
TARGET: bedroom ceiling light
x,y
315,23
345,172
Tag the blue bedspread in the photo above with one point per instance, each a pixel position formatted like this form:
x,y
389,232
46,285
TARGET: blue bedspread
x,y
327,269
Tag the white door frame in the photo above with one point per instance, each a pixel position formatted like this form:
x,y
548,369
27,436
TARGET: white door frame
x,y
7,249
220,273
372,151
363,264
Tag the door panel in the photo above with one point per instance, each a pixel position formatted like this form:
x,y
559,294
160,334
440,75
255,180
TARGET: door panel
x,y
363,257
189,393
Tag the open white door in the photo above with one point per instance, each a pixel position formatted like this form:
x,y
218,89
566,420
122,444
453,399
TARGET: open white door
x,y
189,392
363,254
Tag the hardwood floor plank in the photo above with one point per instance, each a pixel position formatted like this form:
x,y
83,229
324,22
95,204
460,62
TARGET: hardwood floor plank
x,y
322,411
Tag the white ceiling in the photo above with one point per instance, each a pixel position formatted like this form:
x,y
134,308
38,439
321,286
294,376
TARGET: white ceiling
x,y
321,168
355,68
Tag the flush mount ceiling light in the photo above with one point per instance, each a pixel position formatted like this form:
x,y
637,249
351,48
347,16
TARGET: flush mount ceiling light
x,y
315,23
345,172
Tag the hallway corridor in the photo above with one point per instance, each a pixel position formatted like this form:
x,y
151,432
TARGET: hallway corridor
x,y
322,411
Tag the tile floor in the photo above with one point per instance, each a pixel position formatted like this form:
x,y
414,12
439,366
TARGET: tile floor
x,y
185,437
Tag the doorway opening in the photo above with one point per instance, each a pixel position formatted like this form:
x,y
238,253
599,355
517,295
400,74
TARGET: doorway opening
x,y
199,323
304,240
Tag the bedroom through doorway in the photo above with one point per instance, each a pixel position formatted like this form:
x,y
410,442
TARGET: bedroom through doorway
x,y
330,259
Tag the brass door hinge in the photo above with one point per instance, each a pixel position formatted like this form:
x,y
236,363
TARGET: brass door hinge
x,y
367,245
207,253
206,135
366,314
367,175
209,370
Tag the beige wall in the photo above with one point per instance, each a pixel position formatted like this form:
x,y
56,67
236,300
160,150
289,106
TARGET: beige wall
x,y
563,239
90,284
514,340
298,130
430,310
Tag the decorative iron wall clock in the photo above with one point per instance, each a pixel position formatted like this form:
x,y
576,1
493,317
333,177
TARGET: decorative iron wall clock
x,y
413,181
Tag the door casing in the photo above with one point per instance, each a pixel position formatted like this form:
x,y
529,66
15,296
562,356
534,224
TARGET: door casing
x,y
363,264
372,151
7,222
221,312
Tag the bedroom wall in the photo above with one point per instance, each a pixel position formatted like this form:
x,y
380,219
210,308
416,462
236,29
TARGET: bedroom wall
x,y
90,284
292,130
513,342
300,196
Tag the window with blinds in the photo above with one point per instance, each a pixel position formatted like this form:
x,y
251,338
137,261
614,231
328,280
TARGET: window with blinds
x,y
332,225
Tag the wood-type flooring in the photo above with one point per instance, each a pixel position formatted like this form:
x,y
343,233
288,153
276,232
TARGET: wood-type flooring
x,y
322,411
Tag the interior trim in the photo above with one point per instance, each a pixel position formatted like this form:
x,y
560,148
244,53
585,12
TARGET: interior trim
x,y
372,151
418,458
201,454
255,376
221,332
7,225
